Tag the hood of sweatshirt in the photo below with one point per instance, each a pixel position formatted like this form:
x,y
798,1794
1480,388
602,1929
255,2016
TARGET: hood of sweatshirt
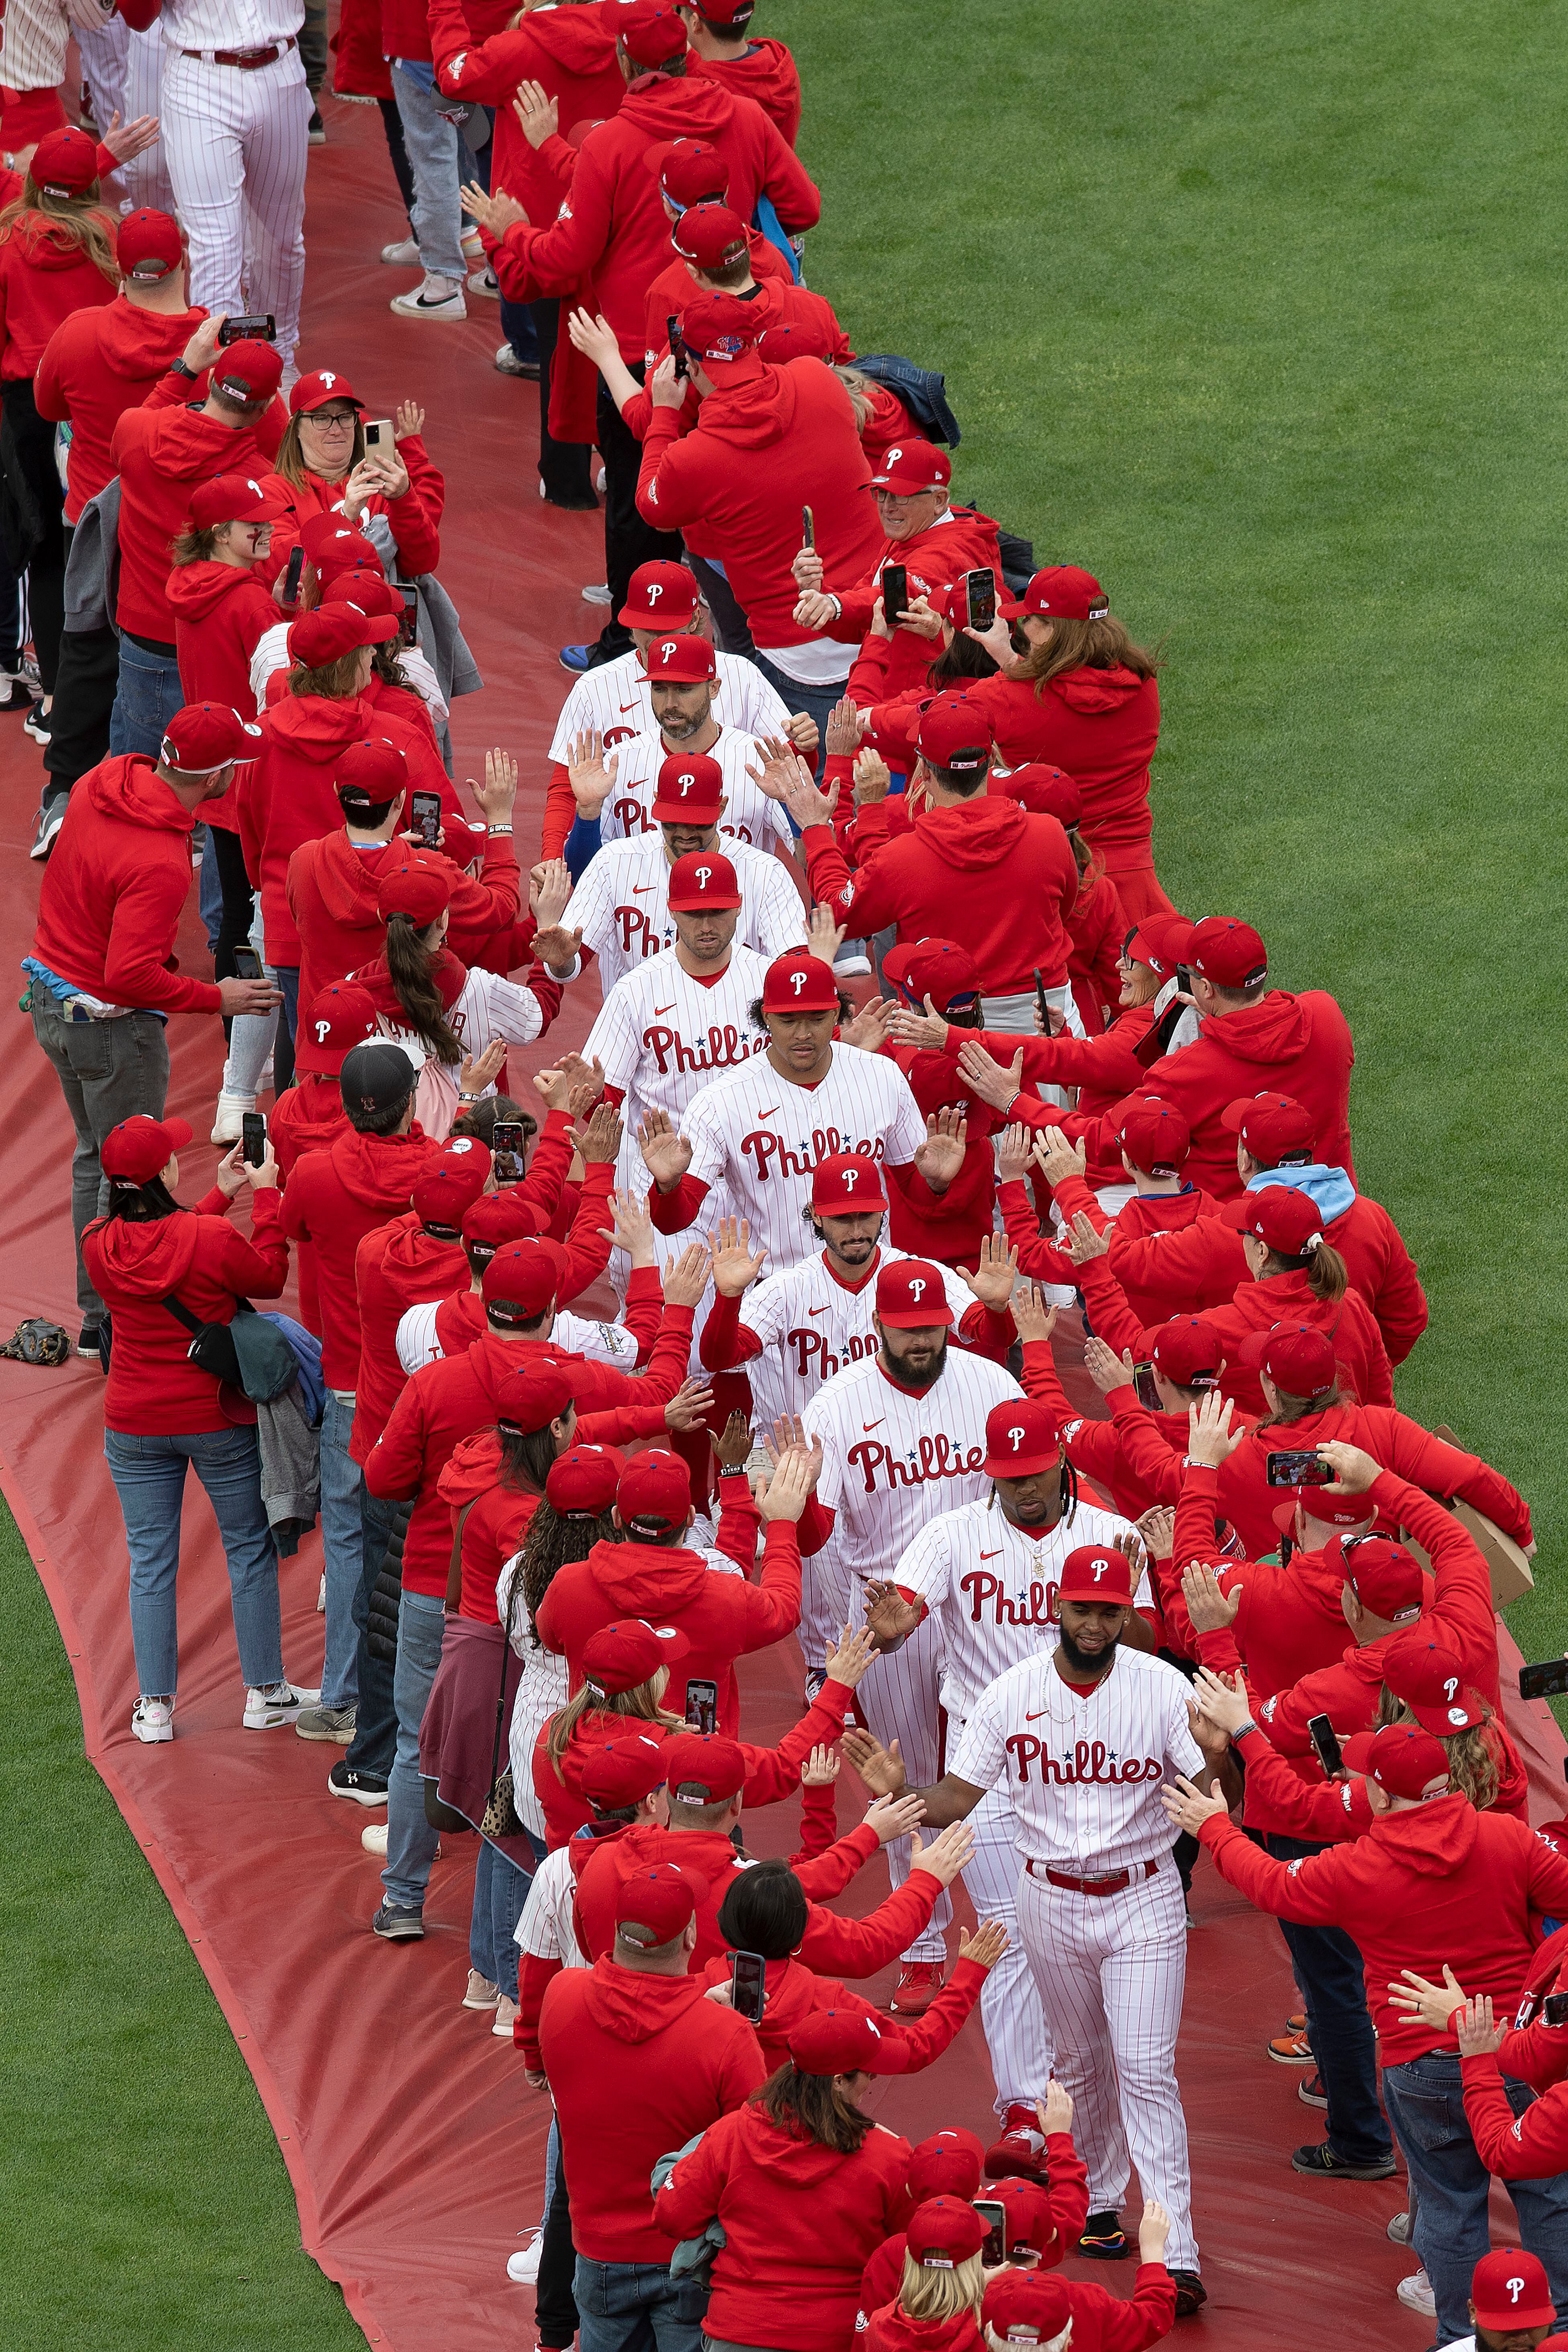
x,y
1330,1189
633,2007
1097,689
975,837
448,974
151,1260
580,40
893,2330
314,728
470,1472
186,446
137,344
754,413
346,877
645,1581
417,1265
1274,1030
47,248
315,1112
128,787
197,590
1284,1298
380,1172
786,2157
688,108
1433,1840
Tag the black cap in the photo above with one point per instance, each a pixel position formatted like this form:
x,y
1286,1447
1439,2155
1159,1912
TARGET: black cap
x,y
376,1077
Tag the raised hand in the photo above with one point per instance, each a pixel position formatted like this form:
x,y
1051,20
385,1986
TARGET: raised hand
x,y
890,1618
686,1277
868,1031
1083,1243
993,1279
1157,1528
478,1070
824,937
124,139
499,792
847,1664
871,776
1014,1153
821,1769
1057,1159
1055,2110
589,774
733,1444
788,1490
633,1227
881,1769
601,1139
1209,1441
408,421
986,1077
690,1406
926,1032
666,1154
945,1857
496,212
940,1159
1223,1703
735,1265
895,1817
787,1430
846,722
557,948
538,116
1105,1367
986,1946
1032,1320
1154,2230
550,894
1187,1806
594,336
1209,1608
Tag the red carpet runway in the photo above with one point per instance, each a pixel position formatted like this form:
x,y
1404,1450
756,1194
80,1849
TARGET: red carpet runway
x,y
415,2147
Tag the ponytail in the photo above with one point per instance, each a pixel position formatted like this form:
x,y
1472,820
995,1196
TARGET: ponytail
x,y
408,968
1327,1278
139,1205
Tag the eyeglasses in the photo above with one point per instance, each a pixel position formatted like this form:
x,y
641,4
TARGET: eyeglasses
x,y
337,421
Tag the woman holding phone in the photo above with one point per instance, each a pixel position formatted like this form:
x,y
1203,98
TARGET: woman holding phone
x,y
330,461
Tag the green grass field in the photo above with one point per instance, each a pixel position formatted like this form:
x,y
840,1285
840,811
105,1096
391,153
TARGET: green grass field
x,y
1257,313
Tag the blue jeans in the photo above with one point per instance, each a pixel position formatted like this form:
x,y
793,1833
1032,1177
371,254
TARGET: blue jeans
x,y
500,1891
411,1841
440,157
343,1550
107,1070
1450,2186
147,697
1334,1988
149,1475
817,700
630,2307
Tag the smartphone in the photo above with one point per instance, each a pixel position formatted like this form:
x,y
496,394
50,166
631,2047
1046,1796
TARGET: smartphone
x,y
748,1985
808,528
291,577
248,330
247,963
1041,1003
677,348
701,1707
1554,2009
507,1150
981,593
1308,1469
995,2251
1144,1388
894,592
408,631
253,1139
378,434
1320,1732
1548,1680
427,817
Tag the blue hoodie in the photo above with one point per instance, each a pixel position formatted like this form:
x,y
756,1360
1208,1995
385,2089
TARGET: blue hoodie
x,y
1330,1188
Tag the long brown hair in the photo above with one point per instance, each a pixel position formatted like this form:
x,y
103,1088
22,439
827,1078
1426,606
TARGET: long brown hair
x,y
408,969
1472,1756
334,680
71,220
1082,644
289,461
553,1540
196,546
1294,1408
641,1703
809,2107
1327,1278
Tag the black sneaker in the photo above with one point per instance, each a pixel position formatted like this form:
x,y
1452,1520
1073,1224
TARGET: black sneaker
x,y
395,1925
1311,2091
1104,2239
87,1346
36,723
1191,2293
317,132
1322,2164
347,1779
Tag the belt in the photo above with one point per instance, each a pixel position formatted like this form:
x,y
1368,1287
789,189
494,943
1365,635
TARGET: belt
x,y
1112,1883
248,60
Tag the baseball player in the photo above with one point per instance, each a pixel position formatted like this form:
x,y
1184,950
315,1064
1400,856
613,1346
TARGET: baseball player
x,y
902,1437
620,908
1079,1739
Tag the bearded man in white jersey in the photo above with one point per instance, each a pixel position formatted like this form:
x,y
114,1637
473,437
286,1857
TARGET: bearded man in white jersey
x,y
1078,1740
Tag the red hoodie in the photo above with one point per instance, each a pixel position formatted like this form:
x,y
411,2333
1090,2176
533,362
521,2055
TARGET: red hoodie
x,y
98,363
796,1992
674,288
115,888
329,885
154,1390
306,1115
43,277
1095,931
415,515
1530,2146
962,540
334,1199
1066,2185
1290,1621
800,2222
494,1522
613,227
221,612
1102,725
890,2328
160,451
1104,1068
939,880
569,52
1148,1220
1330,1812
777,439
764,71
666,2063
723,1617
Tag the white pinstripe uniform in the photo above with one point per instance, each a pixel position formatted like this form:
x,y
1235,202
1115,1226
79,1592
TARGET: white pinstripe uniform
x,y
891,1459
546,1930
614,702
749,815
991,1586
236,140
146,176
621,905
1082,1774
603,1343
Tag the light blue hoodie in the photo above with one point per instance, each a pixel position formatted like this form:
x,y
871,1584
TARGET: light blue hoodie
x,y
1330,1188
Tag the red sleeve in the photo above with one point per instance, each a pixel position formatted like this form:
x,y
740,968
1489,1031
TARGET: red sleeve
x,y
775,1772
818,1821
396,1460
1439,1468
492,897
739,1520
1462,1606
865,903
1068,2179
1134,2326
1040,1259
829,1873
416,517
138,14
1400,1306
560,813
1105,1303
672,1213
986,1333
555,257
666,1366
925,2038
858,1947
643,1313
1323,1812
1149,1456
541,1188
772,1607
1530,2146
588,1242
534,1978
258,1266
815,1526
726,1342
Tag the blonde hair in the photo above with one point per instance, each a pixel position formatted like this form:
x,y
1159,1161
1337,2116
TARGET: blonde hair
x,y
941,2294
640,1701
1472,1756
71,220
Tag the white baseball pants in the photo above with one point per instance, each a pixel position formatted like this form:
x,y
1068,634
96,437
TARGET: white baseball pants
x,y
237,144
146,177
1111,1969
102,49
1011,2012
898,1700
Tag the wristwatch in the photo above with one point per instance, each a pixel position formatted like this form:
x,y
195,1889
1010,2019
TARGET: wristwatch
x,y
178,367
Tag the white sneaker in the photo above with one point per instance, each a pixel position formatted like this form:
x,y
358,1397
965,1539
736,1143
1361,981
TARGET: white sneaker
x,y
321,1595
230,1110
434,297
265,1710
483,281
404,255
523,2268
507,2014
481,1992
374,1838
1416,2294
598,594
599,481
152,1719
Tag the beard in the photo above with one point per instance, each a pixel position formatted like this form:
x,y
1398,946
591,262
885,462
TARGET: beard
x,y
922,1379
1088,1668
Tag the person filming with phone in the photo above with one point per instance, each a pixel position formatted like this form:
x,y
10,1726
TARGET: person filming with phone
x,y
374,473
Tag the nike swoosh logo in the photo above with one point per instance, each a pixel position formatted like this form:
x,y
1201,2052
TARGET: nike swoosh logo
x,y
658,1009
767,1114
1040,1718
624,706
639,889
991,1555
868,1425
816,1310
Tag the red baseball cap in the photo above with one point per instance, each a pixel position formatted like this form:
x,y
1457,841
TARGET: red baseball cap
x,y
815,338
655,1905
1027,2218
703,1767
948,2163
693,172
1158,941
370,774
847,2042
494,1220
582,1481
1405,1761
799,982
1430,1679
649,31
690,786
724,15
1063,593
1042,789
138,1148
1228,952
1511,2289
945,2230
333,630
1020,1440
1384,1577
654,1491
332,544
1273,1127
1346,1511
439,1201
1286,1221
247,370
530,1401
911,1295
232,497
955,733
1188,1351
314,391
684,660
711,236
847,1184
148,245
938,968
418,888
1094,1572
520,1282
630,1652
1154,1136
659,597
721,330
1026,2306
65,163
1297,1357
911,466
341,1017
458,1175
207,736
702,878
617,1772
367,590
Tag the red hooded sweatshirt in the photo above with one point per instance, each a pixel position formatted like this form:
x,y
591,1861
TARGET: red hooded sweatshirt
x,y
949,1227
890,2328
764,71
329,885
98,363
796,1992
961,540
221,612
1102,725
939,880
723,1617
160,451
154,1390
1291,1621
1095,931
305,1116
766,442
396,1267
612,225
666,2063
673,289
415,515
334,1198
43,277
800,2222
1104,1068
114,891
1530,2146
1148,1218
1330,1812
1066,2185
569,52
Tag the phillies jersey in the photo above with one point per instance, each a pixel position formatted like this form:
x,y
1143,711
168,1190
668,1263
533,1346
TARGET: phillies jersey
x,y
603,1343
748,813
811,1325
760,1136
992,1587
891,1459
1082,1771
661,1036
620,905
614,702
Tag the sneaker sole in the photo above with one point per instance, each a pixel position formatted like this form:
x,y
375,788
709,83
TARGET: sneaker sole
x,y
1306,2058
413,1932
330,1738
1104,2253
367,1797
432,311
1310,2098
1346,2171
153,1738
274,1719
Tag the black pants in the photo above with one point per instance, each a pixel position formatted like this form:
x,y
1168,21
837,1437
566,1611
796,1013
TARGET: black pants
x,y
555,2310
564,465
628,540
402,170
374,1743
85,682
313,47
239,900
34,439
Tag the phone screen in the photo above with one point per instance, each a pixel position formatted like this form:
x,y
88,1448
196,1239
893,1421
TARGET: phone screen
x,y
701,1707
1554,2009
253,1139
980,593
1548,1680
1320,1732
291,577
427,817
378,433
249,331
748,1983
894,592
1144,1388
507,1150
1308,1469
994,2252
408,631
247,963
677,348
